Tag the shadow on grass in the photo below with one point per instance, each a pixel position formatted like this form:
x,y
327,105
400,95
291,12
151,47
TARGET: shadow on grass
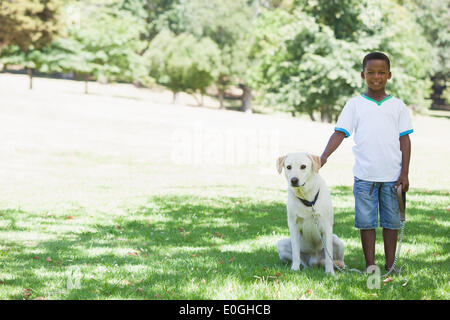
x,y
189,247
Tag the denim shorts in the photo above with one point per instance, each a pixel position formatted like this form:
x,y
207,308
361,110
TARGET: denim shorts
x,y
373,197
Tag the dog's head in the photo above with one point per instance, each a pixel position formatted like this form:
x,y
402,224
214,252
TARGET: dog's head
x,y
298,167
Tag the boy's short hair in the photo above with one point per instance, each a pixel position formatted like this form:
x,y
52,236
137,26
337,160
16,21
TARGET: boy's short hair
x,y
376,56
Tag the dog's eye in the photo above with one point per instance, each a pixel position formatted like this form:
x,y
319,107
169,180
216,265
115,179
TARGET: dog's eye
x,y
302,166
288,167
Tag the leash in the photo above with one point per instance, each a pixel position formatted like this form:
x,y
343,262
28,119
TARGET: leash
x,y
401,198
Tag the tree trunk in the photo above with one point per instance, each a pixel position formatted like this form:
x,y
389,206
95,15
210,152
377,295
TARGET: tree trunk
x,y
246,98
438,87
175,96
30,77
197,99
86,79
325,114
221,97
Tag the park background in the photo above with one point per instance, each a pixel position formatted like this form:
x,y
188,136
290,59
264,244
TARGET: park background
x,y
139,141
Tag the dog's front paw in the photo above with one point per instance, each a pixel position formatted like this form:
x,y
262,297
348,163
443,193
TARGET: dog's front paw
x,y
295,267
330,271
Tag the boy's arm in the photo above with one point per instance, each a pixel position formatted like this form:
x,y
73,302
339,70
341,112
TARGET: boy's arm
x,y
334,142
405,147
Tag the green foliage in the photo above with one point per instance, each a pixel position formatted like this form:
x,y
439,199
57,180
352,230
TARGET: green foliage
x,y
104,43
300,55
305,67
29,22
434,16
182,62
227,23
112,39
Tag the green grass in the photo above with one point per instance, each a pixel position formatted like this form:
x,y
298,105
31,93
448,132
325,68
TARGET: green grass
x,y
90,192
216,247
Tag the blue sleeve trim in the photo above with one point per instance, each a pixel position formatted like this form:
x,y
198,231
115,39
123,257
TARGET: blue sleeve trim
x,y
342,130
406,132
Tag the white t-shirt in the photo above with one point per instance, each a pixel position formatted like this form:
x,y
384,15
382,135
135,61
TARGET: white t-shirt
x,y
377,127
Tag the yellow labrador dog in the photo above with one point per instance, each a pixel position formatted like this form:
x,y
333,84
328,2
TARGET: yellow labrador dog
x,y
307,190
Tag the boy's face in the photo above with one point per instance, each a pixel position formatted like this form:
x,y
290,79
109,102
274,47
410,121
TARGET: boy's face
x,y
376,73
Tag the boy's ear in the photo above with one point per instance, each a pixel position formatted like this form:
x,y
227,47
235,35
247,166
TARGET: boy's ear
x,y
315,162
280,163
362,75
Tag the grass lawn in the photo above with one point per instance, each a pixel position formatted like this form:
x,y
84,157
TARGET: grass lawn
x,y
94,205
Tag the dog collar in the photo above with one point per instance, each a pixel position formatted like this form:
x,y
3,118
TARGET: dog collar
x,y
309,203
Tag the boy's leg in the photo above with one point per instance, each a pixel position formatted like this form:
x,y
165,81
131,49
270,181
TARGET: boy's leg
x,y
366,216
390,245
368,238
389,220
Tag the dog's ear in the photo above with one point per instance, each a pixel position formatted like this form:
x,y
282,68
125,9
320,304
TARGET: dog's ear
x,y
315,161
280,163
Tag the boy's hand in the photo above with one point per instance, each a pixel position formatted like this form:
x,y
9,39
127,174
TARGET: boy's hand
x,y
403,180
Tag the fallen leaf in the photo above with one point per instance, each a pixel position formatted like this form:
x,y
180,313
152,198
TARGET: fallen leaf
x,y
157,296
27,293
404,285
128,283
39,298
388,279
194,255
231,260
431,218
48,259
170,292
132,253
309,291
35,258
203,281
218,235
181,229
70,217
140,290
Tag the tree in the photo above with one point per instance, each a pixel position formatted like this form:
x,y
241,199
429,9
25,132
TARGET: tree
x,y
304,66
227,24
112,39
31,59
28,22
434,16
183,63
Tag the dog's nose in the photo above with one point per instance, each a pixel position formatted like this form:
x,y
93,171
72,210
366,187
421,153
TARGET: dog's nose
x,y
294,181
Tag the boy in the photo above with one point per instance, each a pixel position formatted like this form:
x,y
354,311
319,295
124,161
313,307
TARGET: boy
x,y
382,125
